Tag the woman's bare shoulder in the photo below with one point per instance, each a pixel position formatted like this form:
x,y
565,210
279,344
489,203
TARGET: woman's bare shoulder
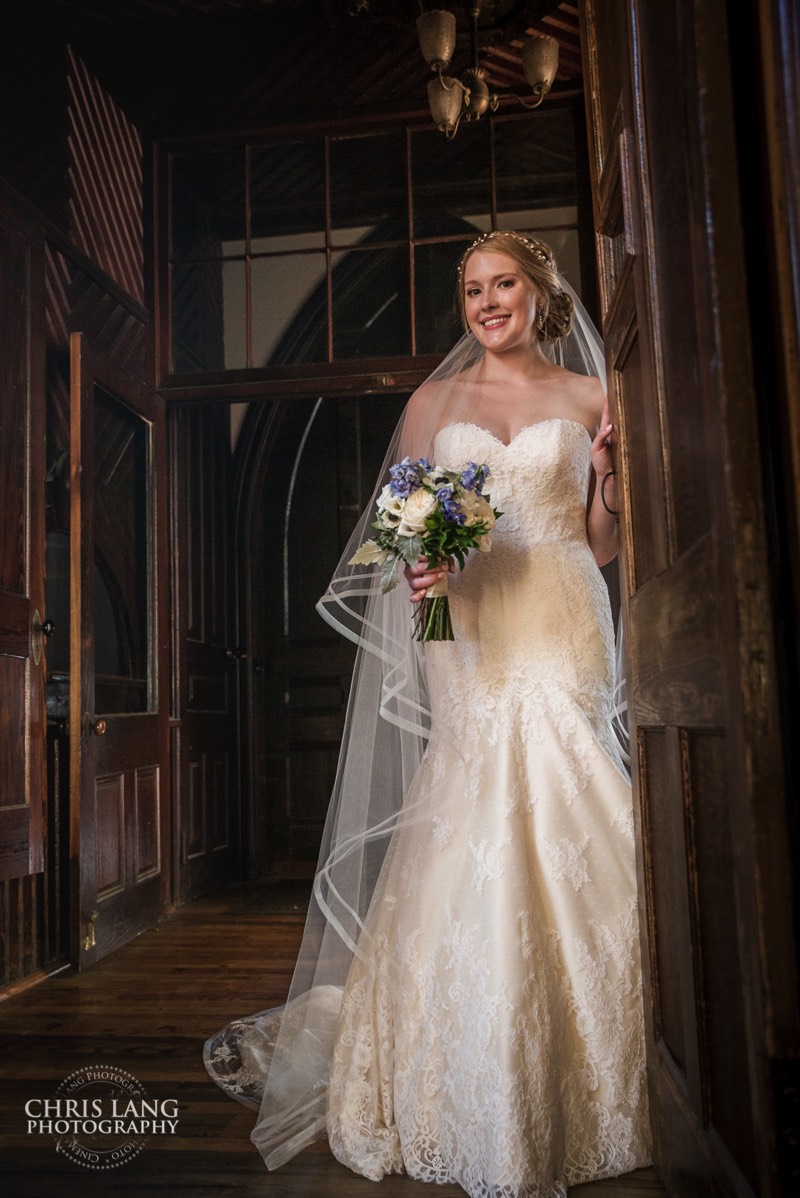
x,y
585,395
426,394
434,391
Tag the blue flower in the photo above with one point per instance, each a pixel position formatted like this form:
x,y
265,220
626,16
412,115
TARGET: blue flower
x,y
450,507
474,477
405,477
452,512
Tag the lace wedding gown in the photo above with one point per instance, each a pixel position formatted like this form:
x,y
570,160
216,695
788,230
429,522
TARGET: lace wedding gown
x,y
491,1031
495,1036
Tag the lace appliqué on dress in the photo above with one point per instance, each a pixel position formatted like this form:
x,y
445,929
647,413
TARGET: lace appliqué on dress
x,y
493,1033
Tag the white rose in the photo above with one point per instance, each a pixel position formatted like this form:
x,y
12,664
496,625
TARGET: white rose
x,y
485,513
485,544
477,510
419,506
468,506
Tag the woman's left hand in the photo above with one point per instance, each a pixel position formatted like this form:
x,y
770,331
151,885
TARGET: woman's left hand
x,y
601,446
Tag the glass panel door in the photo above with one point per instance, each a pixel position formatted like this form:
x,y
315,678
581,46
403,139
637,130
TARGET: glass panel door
x,y
123,559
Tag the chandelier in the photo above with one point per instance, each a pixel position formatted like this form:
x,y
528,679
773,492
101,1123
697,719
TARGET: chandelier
x,y
452,99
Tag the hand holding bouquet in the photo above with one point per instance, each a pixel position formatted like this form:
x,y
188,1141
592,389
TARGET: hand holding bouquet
x,y
424,509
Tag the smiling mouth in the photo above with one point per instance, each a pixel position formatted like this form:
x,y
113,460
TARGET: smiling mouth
x,y
494,322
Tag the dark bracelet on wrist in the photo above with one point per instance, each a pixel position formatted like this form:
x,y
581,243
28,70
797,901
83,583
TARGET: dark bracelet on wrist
x,y
609,474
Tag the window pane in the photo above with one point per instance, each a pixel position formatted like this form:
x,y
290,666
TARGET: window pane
x,y
535,162
287,191
566,247
208,316
371,304
451,179
290,311
123,590
436,306
368,188
208,211
563,242
197,317
234,322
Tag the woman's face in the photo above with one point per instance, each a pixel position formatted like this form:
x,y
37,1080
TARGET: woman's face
x,y
500,301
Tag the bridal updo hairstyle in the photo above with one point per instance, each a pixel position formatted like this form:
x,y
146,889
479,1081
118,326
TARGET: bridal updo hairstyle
x,y
539,264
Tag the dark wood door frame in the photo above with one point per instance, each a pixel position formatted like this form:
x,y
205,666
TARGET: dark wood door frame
x,y
22,609
705,694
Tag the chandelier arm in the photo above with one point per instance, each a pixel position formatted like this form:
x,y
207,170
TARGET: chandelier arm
x,y
450,133
527,103
454,82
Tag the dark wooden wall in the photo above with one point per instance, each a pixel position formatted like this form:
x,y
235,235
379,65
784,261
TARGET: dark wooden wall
x,y
74,161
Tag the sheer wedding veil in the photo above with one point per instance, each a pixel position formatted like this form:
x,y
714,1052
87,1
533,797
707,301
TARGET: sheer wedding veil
x,y
386,731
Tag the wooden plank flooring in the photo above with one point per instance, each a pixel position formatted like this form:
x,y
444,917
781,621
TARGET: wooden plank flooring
x,y
147,1009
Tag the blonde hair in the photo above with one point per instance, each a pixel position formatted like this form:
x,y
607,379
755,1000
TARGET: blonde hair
x,y
539,264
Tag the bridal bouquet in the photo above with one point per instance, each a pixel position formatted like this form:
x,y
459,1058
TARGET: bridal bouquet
x,y
441,513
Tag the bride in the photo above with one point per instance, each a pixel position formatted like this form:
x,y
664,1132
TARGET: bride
x,y
467,1004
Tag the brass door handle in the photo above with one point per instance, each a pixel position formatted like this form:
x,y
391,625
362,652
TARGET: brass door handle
x,y
89,939
39,628
98,727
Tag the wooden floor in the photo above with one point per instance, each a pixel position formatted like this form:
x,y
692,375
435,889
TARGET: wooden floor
x,y
147,1009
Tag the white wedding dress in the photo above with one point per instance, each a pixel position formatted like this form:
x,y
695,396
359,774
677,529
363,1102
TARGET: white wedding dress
x,y
490,1032
494,1034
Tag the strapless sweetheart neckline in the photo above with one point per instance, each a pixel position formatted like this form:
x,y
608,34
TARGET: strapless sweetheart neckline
x,y
526,428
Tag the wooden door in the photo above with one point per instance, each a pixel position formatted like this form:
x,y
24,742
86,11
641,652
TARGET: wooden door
x,y
22,614
118,677
206,656
711,802
311,465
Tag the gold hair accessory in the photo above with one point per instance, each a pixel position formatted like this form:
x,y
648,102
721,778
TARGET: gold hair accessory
x,y
484,237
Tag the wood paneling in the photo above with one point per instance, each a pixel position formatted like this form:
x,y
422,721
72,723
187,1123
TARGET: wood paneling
x,y
34,910
147,822
22,665
204,652
715,934
120,804
27,812
109,823
711,794
78,299
665,855
105,200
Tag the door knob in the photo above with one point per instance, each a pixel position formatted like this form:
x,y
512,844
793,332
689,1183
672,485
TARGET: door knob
x,y
89,939
38,630
98,727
